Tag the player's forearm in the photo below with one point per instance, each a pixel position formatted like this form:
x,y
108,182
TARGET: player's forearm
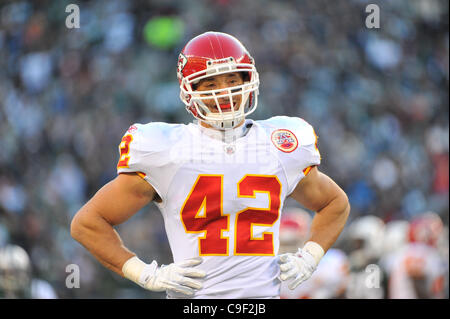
x,y
329,222
101,239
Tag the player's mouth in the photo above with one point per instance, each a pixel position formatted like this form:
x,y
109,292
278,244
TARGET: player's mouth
x,y
226,107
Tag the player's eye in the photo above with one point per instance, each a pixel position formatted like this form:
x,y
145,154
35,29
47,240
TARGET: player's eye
x,y
210,86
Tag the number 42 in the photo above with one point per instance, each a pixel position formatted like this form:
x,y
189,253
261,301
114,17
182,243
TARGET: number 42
x,y
207,196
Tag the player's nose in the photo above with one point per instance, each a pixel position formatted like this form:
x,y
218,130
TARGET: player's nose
x,y
222,95
222,89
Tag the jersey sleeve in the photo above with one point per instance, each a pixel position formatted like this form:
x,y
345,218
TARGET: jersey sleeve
x,y
130,154
308,153
135,156
298,162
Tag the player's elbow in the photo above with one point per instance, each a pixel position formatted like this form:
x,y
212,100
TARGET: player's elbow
x,y
76,228
79,226
344,204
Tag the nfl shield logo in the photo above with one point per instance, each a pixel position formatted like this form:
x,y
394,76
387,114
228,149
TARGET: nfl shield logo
x,y
229,149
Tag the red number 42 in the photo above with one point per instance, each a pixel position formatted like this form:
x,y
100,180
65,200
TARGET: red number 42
x,y
202,213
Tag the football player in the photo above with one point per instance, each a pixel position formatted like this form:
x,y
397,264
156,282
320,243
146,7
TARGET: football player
x,y
15,272
394,240
220,184
419,270
364,238
16,280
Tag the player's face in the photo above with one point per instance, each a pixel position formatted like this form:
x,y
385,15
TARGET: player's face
x,y
222,81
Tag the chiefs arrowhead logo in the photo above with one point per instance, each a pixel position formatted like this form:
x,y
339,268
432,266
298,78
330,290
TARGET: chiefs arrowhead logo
x,y
182,60
284,140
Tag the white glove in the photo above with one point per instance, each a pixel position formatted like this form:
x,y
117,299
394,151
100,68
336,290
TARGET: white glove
x,y
301,265
175,277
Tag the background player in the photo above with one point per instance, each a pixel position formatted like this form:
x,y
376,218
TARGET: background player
x,y
364,244
16,280
295,226
418,270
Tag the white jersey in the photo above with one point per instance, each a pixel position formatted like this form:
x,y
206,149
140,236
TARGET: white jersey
x,y
416,259
222,199
328,281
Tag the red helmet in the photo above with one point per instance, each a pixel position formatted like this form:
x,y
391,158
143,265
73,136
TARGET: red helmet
x,y
426,228
294,227
215,53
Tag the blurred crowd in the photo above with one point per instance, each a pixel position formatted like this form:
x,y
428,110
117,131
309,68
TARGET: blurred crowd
x,y
377,98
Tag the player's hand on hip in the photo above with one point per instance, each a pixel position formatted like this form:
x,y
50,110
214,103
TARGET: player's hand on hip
x,y
176,277
301,265
179,277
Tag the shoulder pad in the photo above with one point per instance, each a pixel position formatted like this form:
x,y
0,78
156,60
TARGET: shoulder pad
x,y
301,129
156,136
